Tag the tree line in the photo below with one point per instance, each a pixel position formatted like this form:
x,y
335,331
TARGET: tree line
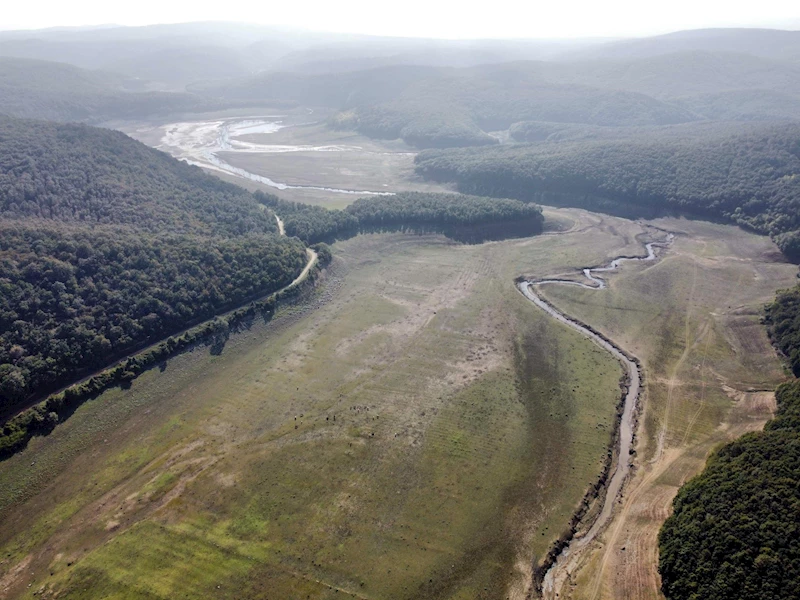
x,y
752,179
735,532
783,324
464,218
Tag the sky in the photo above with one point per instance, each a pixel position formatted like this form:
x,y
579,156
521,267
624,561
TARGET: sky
x,y
422,18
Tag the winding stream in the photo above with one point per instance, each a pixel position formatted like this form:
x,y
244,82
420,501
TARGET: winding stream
x,y
566,560
200,142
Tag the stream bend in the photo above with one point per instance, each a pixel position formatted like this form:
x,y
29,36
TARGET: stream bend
x,y
563,563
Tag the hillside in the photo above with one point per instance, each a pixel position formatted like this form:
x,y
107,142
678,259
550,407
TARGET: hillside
x,y
431,106
176,67
444,107
106,244
260,47
749,178
767,43
77,173
733,534
57,91
673,75
744,105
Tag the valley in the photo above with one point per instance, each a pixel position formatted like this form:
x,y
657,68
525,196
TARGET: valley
x,y
293,152
294,314
439,427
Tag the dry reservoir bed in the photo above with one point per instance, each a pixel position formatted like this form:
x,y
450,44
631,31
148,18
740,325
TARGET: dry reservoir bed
x,y
423,432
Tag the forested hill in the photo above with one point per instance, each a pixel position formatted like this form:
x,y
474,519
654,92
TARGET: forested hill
x,y
52,90
752,178
470,219
107,245
783,323
445,107
734,532
77,173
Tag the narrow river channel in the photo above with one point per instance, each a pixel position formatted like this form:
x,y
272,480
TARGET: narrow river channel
x,y
566,560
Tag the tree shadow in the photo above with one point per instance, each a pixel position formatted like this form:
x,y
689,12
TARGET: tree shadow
x,y
217,343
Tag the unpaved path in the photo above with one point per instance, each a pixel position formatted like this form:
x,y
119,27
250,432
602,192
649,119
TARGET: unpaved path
x,y
312,261
567,560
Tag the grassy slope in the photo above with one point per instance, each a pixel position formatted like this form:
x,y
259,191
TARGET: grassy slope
x,y
199,478
694,320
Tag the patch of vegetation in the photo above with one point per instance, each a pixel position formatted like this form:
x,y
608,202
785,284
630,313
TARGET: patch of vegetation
x,y
734,533
463,218
107,245
783,323
74,299
750,179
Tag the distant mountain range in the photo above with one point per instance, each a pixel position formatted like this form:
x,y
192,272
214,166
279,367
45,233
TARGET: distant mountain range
x,y
432,93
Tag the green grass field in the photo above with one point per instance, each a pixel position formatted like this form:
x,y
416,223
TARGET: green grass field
x,y
421,430
424,433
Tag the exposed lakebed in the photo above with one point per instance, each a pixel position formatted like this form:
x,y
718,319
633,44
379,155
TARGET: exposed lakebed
x,y
562,563
203,143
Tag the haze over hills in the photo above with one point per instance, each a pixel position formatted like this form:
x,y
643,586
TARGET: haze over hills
x,y
200,398
767,43
242,48
50,90
426,91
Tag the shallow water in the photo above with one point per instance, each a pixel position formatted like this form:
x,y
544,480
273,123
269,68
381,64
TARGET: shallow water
x,y
200,143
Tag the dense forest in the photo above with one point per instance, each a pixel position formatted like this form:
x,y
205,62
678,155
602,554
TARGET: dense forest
x,y
77,173
470,219
735,532
72,298
750,178
106,245
783,323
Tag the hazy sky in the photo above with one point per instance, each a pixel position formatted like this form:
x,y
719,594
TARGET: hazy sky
x,y
430,18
